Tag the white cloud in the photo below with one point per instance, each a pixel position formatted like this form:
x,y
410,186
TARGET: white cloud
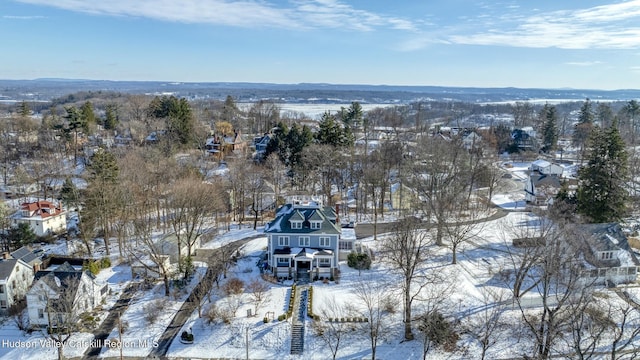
x,y
22,17
610,26
583,63
299,14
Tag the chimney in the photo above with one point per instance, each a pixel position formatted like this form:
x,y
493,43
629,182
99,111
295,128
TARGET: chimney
x,y
5,255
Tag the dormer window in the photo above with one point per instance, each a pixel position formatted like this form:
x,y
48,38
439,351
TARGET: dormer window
x,y
25,213
316,224
296,224
606,255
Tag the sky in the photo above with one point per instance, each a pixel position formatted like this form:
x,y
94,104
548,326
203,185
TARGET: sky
x,y
586,44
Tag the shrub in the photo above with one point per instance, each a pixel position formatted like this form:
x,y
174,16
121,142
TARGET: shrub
x,y
282,317
359,261
233,286
265,320
212,314
438,330
153,309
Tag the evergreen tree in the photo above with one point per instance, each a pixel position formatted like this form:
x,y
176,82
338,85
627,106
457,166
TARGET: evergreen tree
x,y
21,235
23,109
88,116
332,132
602,194
583,128
69,193
604,115
111,117
101,201
177,115
229,110
549,116
74,123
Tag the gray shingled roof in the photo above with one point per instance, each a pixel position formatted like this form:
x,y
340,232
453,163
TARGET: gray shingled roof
x,y
25,254
287,212
6,267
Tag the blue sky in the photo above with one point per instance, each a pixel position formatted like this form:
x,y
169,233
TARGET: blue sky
x,y
584,44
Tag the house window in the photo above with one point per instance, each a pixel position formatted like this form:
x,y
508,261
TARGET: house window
x,y
304,241
296,224
325,241
345,245
40,314
282,261
1,289
3,304
324,262
315,224
41,297
283,241
606,255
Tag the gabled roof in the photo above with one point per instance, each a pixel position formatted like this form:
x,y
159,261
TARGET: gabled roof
x,y
606,237
41,208
541,180
288,212
6,267
25,254
64,277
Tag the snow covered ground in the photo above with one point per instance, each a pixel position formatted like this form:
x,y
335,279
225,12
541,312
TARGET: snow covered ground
x,y
473,287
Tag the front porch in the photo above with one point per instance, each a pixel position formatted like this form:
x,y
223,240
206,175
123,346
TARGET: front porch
x,y
305,265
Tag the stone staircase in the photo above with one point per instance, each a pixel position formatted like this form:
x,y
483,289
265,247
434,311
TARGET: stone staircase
x,y
298,319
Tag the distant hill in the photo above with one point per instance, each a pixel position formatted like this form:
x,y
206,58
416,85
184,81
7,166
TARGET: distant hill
x,y
48,88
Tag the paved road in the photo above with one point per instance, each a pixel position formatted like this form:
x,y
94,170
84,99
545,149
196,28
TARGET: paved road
x,y
366,230
101,334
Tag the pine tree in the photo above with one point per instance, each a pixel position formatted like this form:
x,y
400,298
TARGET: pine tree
x,y
583,128
23,109
111,117
550,128
88,116
602,194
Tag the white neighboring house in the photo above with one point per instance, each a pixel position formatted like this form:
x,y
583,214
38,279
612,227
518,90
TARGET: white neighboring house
x,y
44,217
541,189
15,278
609,255
51,288
546,168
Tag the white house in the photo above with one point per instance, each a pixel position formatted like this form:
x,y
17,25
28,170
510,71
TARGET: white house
x,y
15,278
546,168
541,189
62,292
44,217
609,255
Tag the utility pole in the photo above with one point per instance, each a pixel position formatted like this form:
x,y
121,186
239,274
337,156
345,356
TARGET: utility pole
x,y
246,338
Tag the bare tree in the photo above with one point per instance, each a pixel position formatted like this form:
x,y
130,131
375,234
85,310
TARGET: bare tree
x,y
373,295
60,308
259,293
440,177
330,327
464,225
486,323
406,250
559,283
148,254
190,203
